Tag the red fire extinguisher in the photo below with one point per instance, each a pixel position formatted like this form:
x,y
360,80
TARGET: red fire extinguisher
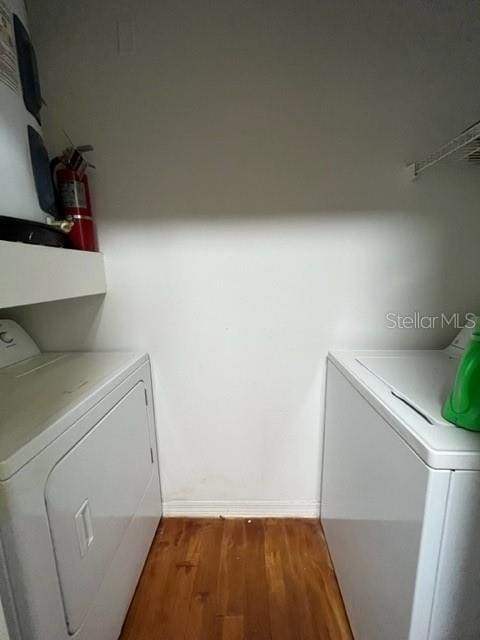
x,y
74,197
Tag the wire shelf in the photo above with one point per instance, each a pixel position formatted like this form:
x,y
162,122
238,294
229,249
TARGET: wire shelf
x,y
465,147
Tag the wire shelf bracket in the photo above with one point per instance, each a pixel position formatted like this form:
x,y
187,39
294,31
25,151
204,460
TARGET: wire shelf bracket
x,y
465,146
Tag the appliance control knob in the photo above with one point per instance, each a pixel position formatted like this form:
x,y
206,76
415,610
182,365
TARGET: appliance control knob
x,y
5,338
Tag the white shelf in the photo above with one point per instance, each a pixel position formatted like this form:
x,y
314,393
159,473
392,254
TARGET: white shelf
x,y
464,147
30,274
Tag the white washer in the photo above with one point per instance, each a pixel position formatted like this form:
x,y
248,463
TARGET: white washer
x,y
401,496
79,487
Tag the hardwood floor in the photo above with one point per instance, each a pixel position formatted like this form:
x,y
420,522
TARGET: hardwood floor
x,y
220,579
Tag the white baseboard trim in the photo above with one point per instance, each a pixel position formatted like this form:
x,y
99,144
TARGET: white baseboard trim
x,y
243,509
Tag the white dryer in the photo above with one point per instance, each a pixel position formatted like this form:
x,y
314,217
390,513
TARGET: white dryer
x,y
79,487
401,496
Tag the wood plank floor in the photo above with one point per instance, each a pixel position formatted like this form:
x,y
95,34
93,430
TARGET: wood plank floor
x,y
208,579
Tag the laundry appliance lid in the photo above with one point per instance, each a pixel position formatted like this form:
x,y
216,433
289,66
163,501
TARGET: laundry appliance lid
x,y
408,388
422,380
42,396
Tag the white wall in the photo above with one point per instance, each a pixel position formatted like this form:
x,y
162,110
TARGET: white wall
x,y
254,213
3,626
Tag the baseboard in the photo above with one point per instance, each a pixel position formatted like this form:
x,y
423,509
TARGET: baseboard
x,y
241,509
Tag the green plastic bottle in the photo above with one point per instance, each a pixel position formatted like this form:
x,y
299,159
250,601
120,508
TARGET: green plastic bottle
x,y
462,407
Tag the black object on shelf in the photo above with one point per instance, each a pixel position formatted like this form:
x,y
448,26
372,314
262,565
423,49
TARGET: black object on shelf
x,y
16,230
41,172
27,62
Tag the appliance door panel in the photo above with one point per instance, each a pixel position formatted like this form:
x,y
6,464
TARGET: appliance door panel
x,y
92,495
373,500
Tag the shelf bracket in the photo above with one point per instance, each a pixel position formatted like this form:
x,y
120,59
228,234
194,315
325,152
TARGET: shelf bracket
x,y
465,146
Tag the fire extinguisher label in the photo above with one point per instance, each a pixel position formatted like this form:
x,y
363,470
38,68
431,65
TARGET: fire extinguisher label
x,y
73,194
8,50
